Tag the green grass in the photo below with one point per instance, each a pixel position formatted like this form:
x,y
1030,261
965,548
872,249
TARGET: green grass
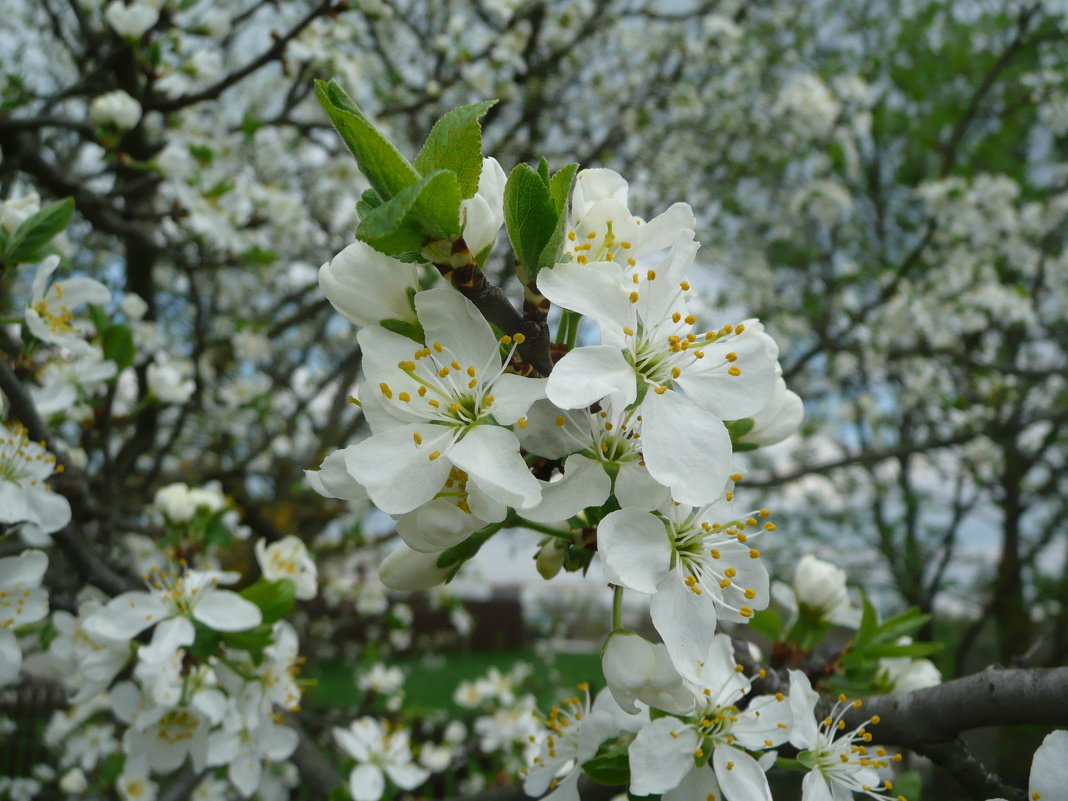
x,y
429,688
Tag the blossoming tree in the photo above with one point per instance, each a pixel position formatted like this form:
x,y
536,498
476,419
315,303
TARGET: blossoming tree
x,y
535,353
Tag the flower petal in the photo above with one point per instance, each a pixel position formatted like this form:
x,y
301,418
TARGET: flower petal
x,y
436,525
596,290
225,610
405,569
127,615
584,483
739,775
169,636
732,388
661,756
1049,768
366,783
686,622
490,457
451,319
398,473
636,547
686,448
513,396
586,375
366,286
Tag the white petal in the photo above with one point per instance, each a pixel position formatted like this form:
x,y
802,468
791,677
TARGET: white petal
x,y
332,479
451,319
24,571
10,657
699,785
636,489
13,505
405,569
779,419
586,375
661,297
126,616
658,760
739,775
731,397
382,351
636,546
594,290
804,733
814,788
366,286
79,290
686,622
224,610
436,525
660,232
398,474
366,783
1049,769
407,776
584,483
245,773
718,673
513,396
490,457
49,512
169,636
597,184
755,731
686,448
352,744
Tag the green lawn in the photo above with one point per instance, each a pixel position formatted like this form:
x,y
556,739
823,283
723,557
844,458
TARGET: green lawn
x,y
429,688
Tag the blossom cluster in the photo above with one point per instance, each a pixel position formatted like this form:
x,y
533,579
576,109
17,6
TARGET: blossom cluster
x,y
631,436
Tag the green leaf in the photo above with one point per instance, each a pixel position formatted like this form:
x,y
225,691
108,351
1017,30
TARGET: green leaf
x,y
609,767
739,428
559,188
253,640
37,231
423,212
413,331
100,319
869,621
909,784
531,218
119,346
908,622
385,168
455,144
274,598
912,650
370,201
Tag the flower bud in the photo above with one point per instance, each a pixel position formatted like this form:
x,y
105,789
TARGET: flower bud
x,y
405,569
551,557
820,588
73,782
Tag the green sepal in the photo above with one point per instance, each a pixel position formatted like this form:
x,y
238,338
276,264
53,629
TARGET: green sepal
x,y
808,759
386,169
427,210
29,241
413,331
743,447
643,390
739,428
455,144
609,766
274,598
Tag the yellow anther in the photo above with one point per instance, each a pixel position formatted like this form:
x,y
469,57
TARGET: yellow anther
x,y
690,319
634,297
385,389
780,697
628,330
749,593
684,286
714,553
437,347
676,317
522,421
754,553
723,584
745,611
737,329
519,339
506,340
736,371
731,357
730,572
858,704
404,396
418,438
434,455
444,371
571,235
650,275
675,372
560,420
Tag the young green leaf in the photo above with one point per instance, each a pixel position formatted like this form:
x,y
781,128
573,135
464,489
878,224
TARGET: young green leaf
x,y
30,238
455,144
610,767
427,210
385,168
559,187
274,598
530,216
